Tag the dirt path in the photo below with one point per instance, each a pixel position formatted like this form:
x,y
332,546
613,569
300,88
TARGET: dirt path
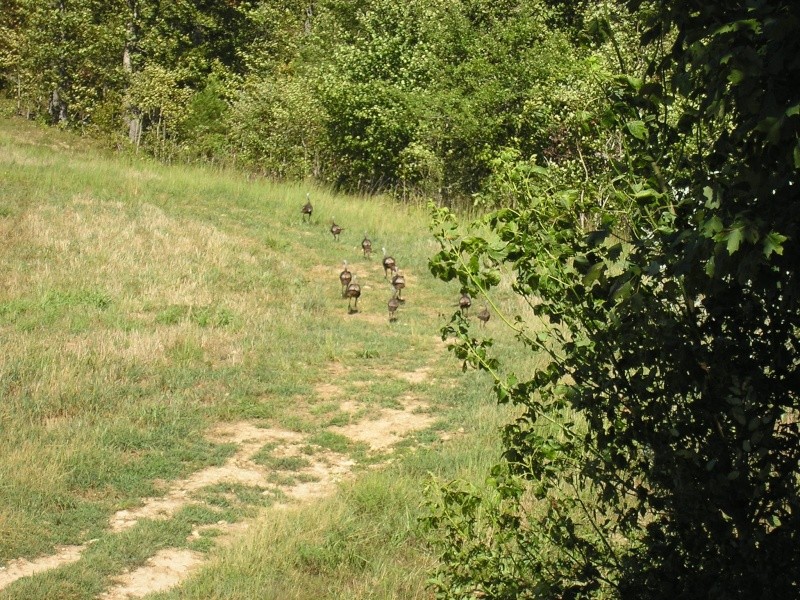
x,y
323,471
16,569
161,572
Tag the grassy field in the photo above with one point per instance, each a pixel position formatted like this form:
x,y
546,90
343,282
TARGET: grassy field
x,y
144,309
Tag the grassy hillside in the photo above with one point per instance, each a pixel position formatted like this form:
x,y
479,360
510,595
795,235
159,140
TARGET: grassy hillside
x,y
144,309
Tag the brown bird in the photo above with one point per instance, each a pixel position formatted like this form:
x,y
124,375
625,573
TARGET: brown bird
x,y
464,303
394,303
345,277
336,229
353,291
307,208
483,316
398,283
389,264
366,246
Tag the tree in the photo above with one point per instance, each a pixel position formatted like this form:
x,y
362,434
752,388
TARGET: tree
x,y
372,87
80,63
11,20
672,327
173,49
62,58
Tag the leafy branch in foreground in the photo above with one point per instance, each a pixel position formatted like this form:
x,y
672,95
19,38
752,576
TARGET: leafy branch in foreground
x,y
672,327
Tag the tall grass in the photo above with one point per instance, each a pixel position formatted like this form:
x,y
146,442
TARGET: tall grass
x,y
141,304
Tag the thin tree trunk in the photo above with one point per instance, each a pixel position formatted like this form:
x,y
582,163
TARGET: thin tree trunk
x,y
309,18
133,116
58,108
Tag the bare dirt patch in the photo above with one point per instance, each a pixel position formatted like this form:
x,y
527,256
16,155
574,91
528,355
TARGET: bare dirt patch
x,y
418,376
337,369
350,406
389,427
169,567
16,569
326,471
161,572
328,391
439,343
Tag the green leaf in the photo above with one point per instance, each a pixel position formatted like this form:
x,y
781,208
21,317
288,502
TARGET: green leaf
x,y
712,227
595,238
647,193
633,82
774,243
594,273
711,201
751,24
637,129
623,291
735,237
735,76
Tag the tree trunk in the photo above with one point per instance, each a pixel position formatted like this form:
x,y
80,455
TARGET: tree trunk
x,y
134,126
133,116
309,18
57,108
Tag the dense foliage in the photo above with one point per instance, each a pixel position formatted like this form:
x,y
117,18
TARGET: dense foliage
x,y
671,317
429,98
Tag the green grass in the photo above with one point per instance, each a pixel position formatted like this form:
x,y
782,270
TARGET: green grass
x,y
141,305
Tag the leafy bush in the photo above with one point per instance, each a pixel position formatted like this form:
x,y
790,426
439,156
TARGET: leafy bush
x,y
276,127
671,326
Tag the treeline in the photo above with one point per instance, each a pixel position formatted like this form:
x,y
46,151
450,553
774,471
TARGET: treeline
x,y
454,99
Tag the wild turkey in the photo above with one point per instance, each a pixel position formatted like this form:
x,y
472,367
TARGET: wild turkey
x,y
393,304
307,208
366,246
353,291
464,303
389,264
336,230
398,283
345,277
483,316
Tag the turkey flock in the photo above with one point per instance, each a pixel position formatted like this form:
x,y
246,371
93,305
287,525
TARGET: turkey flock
x,y
351,289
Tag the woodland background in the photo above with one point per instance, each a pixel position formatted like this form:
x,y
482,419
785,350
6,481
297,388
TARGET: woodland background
x,y
419,98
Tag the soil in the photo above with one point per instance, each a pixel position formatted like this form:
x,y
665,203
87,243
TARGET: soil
x,y
389,427
19,568
170,566
161,572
